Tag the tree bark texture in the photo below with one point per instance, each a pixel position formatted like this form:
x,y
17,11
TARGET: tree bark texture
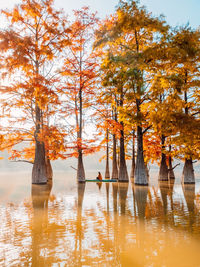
x,y
107,172
170,171
163,172
133,159
39,172
80,168
114,160
147,170
123,174
188,172
140,169
49,169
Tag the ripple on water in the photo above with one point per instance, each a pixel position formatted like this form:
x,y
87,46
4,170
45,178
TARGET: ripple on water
x,y
115,225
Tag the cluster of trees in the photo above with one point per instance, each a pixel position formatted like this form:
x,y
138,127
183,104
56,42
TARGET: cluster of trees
x,y
132,76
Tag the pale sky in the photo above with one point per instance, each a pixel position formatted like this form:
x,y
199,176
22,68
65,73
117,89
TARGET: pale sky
x,y
177,12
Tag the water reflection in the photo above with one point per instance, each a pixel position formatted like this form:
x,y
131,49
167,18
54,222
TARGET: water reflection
x,y
140,194
189,194
164,190
121,225
171,190
107,196
79,234
40,196
115,193
123,190
99,185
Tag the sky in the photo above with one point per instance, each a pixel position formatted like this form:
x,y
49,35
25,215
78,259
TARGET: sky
x,y
177,12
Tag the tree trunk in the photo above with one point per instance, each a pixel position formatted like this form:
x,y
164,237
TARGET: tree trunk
x,y
123,174
107,172
39,172
114,161
140,170
80,168
147,170
49,169
188,172
133,158
170,171
163,172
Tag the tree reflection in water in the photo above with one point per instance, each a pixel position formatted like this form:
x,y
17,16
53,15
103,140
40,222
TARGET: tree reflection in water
x,y
114,227
40,196
140,194
189,194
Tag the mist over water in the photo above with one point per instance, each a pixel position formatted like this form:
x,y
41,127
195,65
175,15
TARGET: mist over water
x,y
66,224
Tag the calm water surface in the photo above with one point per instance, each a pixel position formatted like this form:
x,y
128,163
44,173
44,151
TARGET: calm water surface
x,y
65,224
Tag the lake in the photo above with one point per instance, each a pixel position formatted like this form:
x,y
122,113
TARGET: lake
x,y
106,224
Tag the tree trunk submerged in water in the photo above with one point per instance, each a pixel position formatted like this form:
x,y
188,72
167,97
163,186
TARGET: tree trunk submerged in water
x,y
123,174
170,171
80,168
107,172
188,172
140,169
163,172
39,171
133,158
49,169
114,161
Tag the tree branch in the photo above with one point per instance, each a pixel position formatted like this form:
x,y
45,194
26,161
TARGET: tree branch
x,y
173,167
22,161
149,127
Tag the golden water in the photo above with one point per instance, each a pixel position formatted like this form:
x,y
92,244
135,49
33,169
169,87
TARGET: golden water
x,y
66,224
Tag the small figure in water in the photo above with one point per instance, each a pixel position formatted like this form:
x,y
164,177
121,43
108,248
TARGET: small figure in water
x,y
99,177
